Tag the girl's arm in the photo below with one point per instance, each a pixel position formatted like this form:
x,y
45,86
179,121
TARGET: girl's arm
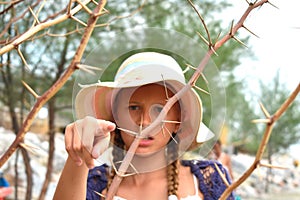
x,y
72,183
85,140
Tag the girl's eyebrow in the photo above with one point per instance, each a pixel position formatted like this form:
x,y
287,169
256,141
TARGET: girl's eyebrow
x,y
135,102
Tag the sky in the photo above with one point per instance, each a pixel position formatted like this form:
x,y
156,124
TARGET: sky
x,y
277,46
276,49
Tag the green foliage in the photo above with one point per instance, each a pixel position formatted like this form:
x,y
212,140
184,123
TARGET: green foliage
x,y
239,115
48,56
286,130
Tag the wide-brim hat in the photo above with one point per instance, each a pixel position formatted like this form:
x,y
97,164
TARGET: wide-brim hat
x,y
141,69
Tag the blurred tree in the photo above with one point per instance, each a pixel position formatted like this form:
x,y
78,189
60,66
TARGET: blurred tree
x,y
50,51
239,116
286,131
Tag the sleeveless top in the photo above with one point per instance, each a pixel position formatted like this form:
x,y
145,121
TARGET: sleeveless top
x,y
174,197
209,181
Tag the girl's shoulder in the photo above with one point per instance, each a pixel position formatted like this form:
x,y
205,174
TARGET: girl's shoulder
x,y
208,173
201,164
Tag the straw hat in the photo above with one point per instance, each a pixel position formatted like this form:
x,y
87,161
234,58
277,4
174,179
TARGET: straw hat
x,y
140,69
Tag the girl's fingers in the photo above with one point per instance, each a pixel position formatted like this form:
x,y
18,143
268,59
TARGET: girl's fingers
x,y
102,138
87,158
104,128
71,137
100,145
88,132
87,139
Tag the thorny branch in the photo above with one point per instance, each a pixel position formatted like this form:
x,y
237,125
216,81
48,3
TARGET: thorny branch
x,y
257,162
41,100
33,30
11,21
212,49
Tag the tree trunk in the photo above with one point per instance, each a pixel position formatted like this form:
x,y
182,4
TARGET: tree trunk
x,y
51,132
11,103
28,174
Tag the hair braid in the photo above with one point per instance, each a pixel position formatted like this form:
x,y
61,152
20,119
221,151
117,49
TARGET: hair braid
x,y
117,153
172,169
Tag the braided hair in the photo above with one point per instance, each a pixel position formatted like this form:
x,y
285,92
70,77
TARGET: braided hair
x,y
118,153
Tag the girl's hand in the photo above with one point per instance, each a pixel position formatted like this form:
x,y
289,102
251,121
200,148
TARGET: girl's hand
x,y
87,138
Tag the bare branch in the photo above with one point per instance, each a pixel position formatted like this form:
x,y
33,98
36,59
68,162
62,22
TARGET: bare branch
x,y
35,17
200,89
263,143
79,21
11,21
203,38
22,58
202,21
31,148
56,86
169,133
266,113
31,90
261,121
239,41
222,175
273,166
12,3
250,31
272,5
32,31
287,103
84,7
128,131
69,7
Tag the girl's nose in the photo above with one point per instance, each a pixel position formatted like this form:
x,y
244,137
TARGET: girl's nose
x,y
151,113
145,119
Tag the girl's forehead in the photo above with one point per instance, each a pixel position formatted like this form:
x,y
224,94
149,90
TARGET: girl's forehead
x,y
150,91
147,89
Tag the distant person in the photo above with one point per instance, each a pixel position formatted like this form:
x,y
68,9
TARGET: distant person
x,y
3,181
5,188
223,157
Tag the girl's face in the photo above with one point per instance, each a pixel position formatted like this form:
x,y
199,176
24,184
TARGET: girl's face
x,y
138,108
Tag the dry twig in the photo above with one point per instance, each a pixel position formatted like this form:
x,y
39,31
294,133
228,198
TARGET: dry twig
x,y
33,30
263,144
212,48
57,85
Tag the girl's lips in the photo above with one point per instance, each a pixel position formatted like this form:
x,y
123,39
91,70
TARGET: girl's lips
x,y
146,142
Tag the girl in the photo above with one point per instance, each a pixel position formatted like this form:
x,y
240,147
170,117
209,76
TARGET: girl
x,y
116,113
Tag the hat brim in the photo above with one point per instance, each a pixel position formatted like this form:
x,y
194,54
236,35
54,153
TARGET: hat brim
x,y
96,100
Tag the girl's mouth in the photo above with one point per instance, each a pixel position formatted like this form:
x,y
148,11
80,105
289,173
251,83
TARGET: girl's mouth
x,y
145,142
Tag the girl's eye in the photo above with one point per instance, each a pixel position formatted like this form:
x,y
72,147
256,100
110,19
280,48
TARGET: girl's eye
x,y
156,110
133,107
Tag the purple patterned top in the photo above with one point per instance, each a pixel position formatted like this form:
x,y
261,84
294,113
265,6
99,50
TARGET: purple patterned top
x,y
210,182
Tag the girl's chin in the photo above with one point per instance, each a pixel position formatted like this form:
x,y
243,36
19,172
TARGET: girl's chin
x,y
146,152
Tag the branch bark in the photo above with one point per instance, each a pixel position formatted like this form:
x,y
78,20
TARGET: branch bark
x,y
212,49
58,84
263,143
42,26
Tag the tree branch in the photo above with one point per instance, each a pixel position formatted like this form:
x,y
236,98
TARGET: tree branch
x,y
57,85
263,143
32,31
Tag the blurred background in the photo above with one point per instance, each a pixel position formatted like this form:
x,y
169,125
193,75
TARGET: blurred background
x,y
265,70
